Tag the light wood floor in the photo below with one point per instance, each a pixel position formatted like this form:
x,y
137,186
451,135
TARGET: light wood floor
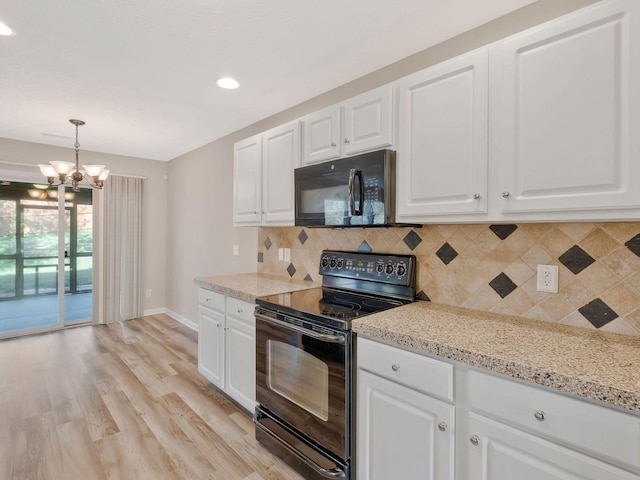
x,y
123,401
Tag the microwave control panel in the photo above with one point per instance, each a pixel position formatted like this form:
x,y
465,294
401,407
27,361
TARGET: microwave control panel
x,y
396,269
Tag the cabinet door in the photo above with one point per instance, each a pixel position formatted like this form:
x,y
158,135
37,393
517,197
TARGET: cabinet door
x,y
399,434
241,362
281,154
211,345
321,139
499,452
368,121
442,148
247,186
566,114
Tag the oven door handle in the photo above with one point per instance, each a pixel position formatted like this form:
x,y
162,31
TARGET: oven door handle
x,y
309,333
323,472
353,211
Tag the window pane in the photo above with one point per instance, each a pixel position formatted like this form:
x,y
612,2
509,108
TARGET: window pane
x,y
7,227
7,278
85,272
85,229
40,232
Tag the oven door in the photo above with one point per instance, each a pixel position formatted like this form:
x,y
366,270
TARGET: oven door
x,y
303,377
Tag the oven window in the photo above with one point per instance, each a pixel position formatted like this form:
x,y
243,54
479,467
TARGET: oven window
x,y
299,377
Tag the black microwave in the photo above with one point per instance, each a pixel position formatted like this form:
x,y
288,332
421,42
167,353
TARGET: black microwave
x,y
356,191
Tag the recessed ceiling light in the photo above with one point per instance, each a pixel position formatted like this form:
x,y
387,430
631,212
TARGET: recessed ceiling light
x,y
5,30
228,83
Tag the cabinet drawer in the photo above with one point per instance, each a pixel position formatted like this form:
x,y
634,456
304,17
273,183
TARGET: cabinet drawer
x,y
241,310
210,299
572,421
419,372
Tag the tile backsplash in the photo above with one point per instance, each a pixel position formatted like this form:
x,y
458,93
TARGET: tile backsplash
x,y
493,267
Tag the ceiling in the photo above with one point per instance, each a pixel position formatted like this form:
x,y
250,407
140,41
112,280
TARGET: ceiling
x,y
143,73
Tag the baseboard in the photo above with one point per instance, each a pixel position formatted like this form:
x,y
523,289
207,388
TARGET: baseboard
x,y
185,321
154,311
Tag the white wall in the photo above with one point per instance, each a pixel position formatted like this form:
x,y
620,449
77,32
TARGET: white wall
x,y
154,229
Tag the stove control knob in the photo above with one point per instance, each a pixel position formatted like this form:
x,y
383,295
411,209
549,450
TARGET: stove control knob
x,y
324,262
401,270
332,263
380,268
340,263
389,269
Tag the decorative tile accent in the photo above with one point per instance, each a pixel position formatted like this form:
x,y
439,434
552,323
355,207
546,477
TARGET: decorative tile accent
x,y
303,237
260,257
364,247
634,245
412,240
503,231
308,278
598,313
291,270
576,259
422,296
446,253
502,285
605,255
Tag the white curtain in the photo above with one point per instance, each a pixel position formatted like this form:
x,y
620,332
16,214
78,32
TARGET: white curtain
x,y
118,250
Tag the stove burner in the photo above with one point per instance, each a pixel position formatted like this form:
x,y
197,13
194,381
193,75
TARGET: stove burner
x,y
338,310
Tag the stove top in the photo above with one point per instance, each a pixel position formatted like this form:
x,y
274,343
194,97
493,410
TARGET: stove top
x,y
354,285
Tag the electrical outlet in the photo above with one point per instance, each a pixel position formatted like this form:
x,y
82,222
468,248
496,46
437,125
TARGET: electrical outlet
x,y
287,255
236,250
148,293
547,278
281,254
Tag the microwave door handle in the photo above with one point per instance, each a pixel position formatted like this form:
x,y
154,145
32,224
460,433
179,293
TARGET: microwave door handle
x,y
361,202
353,173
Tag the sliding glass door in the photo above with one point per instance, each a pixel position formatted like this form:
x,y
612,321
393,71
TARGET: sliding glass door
x,y
45,258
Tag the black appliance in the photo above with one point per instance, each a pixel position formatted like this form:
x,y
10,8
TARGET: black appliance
x,y
305,359
355,191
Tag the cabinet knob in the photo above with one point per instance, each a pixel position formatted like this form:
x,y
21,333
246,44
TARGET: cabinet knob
x,y
442,426
207,299
475,441
346,140
505,194
333,144
476,196
218,325
255,212
395,367
240,310
539,415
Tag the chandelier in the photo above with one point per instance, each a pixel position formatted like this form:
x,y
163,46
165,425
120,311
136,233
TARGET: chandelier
x,y
70,173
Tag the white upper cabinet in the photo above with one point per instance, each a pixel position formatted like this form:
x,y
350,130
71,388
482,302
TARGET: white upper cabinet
x,y
322,135
566,111
263,176
368,121
281,154
360,124
247,181
442,146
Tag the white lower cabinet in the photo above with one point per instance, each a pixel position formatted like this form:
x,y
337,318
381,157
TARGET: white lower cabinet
x,y
411,423
402,432
226,345
500,452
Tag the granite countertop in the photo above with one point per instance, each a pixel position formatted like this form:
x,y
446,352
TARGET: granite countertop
x,y
592,364
249,286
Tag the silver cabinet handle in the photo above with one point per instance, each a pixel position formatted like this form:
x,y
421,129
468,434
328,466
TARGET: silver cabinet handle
x,y
539,415
346,140
442,426
505,194
395,367
475,441
333,144
476,196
